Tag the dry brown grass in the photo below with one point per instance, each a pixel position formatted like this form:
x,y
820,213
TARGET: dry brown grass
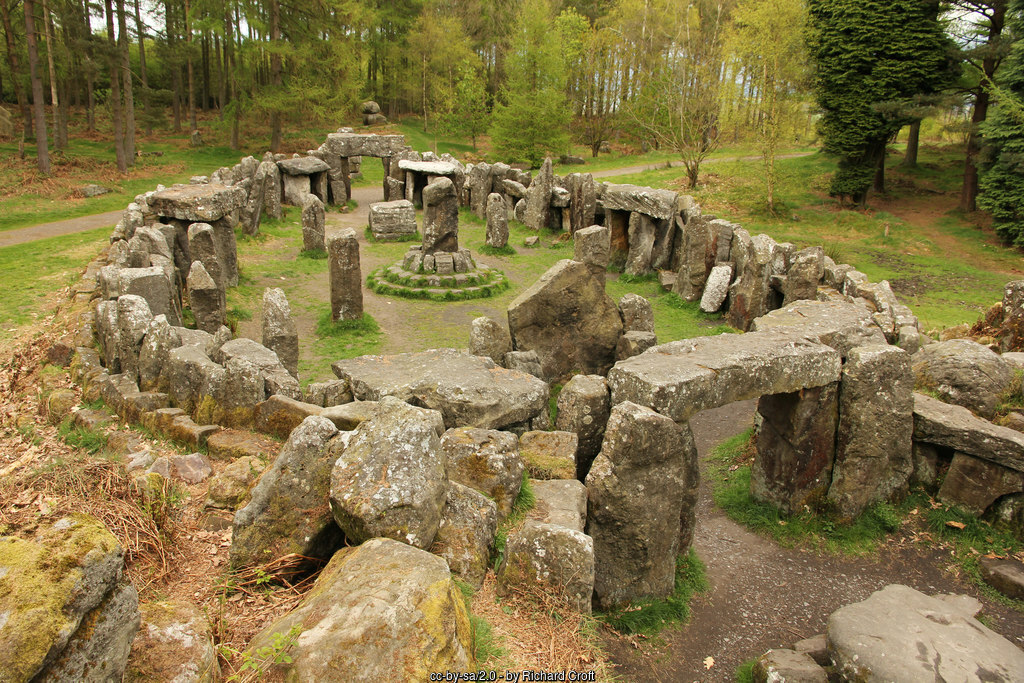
x,y
539,632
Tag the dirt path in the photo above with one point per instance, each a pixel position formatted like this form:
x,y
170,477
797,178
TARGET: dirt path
x,y
763,596
629,170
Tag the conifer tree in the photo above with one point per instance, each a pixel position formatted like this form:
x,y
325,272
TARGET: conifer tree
x,y
872,58
1002,170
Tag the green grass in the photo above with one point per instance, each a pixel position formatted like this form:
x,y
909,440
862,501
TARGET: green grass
x,y
525,501
745,671
32,272
90,441
977,537
650,616
347,338
813,529
497,251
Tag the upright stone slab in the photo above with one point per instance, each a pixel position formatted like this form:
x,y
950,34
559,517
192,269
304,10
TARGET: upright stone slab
x,y
716,288
641,244
479,183
795,447
1012,333
202,246
227,249
750,291
805,272
346,276
538,198
641,488
696,256
251,212
583,408
440,217
273,190
874,458
279,333
488,337
593,246
637,314
497,221
206,299
312,223
582,200
133,320
569,320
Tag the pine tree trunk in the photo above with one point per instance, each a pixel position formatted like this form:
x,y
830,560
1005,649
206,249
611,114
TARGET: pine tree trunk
x,y
42,149
126,75
90,98
175,65
969,190
275,75
913,142
143,77
190,69
116,113
15,67
54,99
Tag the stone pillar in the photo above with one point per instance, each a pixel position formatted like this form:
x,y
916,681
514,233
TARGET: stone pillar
x,y
497,221
874,455
205,298
279,333
538,198
202,247
346,276
440,217
795,447
312,224
583,408
637,536
593,247
227,247
273,190
641,244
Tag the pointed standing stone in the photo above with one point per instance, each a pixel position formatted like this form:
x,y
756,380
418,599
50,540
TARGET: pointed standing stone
x,y
279,333
312,224
346,276
202,247
497,221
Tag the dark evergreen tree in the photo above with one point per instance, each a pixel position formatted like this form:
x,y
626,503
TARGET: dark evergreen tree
x,y
1002,170
872,57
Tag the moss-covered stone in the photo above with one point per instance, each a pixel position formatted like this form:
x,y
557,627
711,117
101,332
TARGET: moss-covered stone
x,y
174,644
47,585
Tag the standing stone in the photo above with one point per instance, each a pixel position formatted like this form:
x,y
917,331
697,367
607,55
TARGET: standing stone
x,y
795,447
641,244
538,198
695,255
1012,332
391,479
202,247
252,211
227,248
479,182
312,223
805,272
497,221
440,217
346,276
466,533
582,200
206,299
593,246
874,458
640,489
569,320
487,337
486,460
279,334
750,291
716,288
637,314
133,320
584,405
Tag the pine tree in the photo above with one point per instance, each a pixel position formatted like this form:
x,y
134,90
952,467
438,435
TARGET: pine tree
x,y
531,118
872,58
1002,170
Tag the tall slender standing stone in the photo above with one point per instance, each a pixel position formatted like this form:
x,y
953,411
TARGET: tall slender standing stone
x,y
272,191
538,198
312,223
202,246
440,217
279,333
346,276
497,221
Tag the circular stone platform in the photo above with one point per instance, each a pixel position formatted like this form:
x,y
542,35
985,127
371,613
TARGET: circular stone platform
x,y
458,279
